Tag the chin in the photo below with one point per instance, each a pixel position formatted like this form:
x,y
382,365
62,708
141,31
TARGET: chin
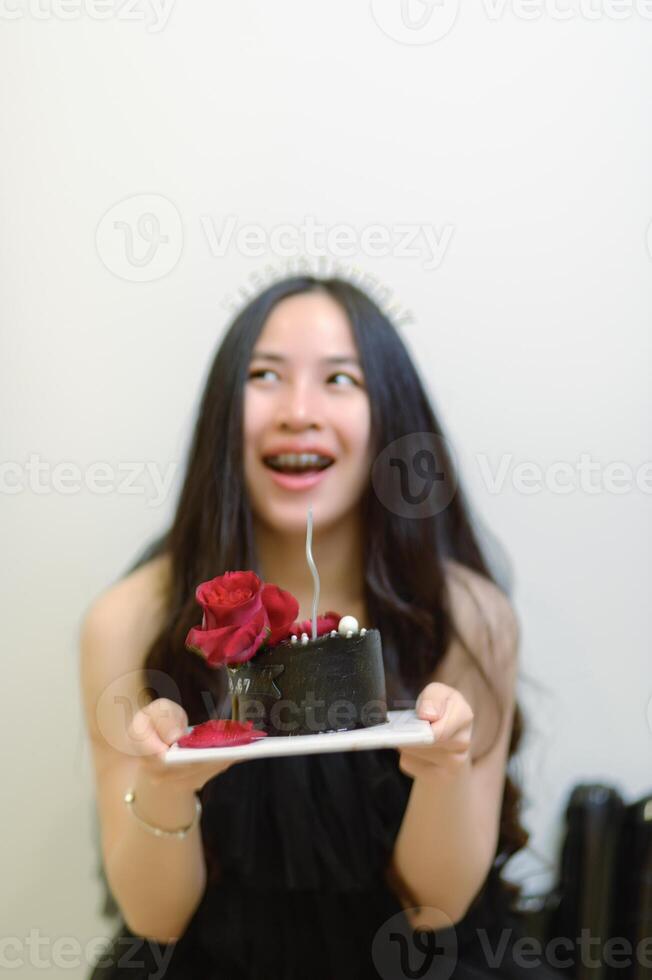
x,y
291,516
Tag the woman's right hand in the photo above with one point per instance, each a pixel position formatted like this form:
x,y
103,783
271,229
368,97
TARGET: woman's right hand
x,y
152,730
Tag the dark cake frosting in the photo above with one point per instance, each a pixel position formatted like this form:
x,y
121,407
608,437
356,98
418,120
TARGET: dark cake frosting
x,y
332,683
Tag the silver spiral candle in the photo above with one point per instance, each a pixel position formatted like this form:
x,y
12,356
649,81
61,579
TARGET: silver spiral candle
x,y
315,574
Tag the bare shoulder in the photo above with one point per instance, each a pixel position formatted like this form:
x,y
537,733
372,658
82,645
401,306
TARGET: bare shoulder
x,y
133,606
115,634
118,627
482,613
481,660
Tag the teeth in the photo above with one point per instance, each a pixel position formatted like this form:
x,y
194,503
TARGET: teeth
x,y
298,460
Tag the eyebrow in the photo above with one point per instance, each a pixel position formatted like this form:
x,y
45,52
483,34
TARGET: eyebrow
x,y
337,359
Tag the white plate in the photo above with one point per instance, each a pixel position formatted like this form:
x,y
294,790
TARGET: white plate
x,y
402,728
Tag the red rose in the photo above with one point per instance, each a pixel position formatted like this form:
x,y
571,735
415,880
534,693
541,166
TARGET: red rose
x,y
325,624
240,613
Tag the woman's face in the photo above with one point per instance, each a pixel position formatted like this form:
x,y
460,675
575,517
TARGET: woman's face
x,y
305,393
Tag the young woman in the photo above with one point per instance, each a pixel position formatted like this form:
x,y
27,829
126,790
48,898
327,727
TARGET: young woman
x,y
338,865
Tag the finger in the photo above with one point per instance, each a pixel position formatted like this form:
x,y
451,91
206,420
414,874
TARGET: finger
x,y
441,719
432,701
152,728
169,718
455,721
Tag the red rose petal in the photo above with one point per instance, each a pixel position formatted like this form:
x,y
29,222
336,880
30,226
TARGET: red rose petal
x,y
220,732
281,608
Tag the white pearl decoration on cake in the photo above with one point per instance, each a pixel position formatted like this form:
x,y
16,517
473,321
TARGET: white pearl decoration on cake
x,y
347,626
304,638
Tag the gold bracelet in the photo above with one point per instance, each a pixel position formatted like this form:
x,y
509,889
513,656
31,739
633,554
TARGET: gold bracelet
x,y
182,832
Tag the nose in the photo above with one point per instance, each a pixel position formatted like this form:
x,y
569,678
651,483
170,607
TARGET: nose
x,y
299,406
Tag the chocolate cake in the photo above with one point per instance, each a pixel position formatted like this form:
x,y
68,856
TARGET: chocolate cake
x,y
300,686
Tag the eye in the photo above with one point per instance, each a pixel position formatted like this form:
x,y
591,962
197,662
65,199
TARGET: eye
x,y
342,374
255,374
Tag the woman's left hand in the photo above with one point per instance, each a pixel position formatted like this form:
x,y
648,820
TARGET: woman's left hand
x,y
451,720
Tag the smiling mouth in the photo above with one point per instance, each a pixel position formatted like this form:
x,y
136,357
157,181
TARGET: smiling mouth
x,y
298,466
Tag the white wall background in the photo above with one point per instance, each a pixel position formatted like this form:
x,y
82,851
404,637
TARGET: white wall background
x,y
523,143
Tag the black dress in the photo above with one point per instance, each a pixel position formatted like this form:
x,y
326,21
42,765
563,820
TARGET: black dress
x,y
302,844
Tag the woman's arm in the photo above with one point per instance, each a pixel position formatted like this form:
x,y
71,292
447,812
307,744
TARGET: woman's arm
x,y
449,834
157,882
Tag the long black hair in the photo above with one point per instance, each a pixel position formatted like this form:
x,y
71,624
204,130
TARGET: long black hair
x,y
405,579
